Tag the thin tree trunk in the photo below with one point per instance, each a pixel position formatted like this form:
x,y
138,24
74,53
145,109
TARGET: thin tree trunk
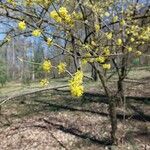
x,y
13,60
33,68
120,92
113,119
94,74
112,109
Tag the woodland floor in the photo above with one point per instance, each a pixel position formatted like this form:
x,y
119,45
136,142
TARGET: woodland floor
x,y
53,120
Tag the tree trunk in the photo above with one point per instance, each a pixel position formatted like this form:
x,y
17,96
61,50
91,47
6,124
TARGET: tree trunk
x,y
94,74
113,119
112,108
120,92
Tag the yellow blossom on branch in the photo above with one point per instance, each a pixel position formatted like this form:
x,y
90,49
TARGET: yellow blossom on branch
x,y
138,53
107,14
115,18
97,27
47,66
63,11
62,16
106,51
54,15
49,41
75,83
84,61
61,68
119,42
106,66
132,39
123,22
36,32
129,49
109,35
44,82
100,59
22,25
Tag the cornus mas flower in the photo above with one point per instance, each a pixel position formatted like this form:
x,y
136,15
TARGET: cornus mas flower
x,y
107,14
62,16
77,16
109,35
36,32
138,53
44,82
11,1
97,27
8,39
119,42
106,66
61,68
115,18
93,43
22,25
76,86
47,66
100,59
132,39
129,49
106,51
63,11
49,41
55,16
84,61
122,22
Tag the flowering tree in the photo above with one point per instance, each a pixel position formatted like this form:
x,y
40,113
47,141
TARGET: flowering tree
x,y
105,35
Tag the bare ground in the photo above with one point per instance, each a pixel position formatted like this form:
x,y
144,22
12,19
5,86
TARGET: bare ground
x,y
56,121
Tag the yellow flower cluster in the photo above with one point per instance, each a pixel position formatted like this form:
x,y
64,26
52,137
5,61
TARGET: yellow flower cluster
x,y
84,61
61,68
12,2
8,39
36,32
138,53
77,16
109,35
97,27
62,16
145,34
100,59
130,49
49,41
122,22
75,83
44,82
107,14
119,42
28,2
22,25
134,30
115,18
106,51
132,39
47,66
106,66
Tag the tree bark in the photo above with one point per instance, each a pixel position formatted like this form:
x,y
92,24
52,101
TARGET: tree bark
x,y
112,109
94,74
113,119
120,92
